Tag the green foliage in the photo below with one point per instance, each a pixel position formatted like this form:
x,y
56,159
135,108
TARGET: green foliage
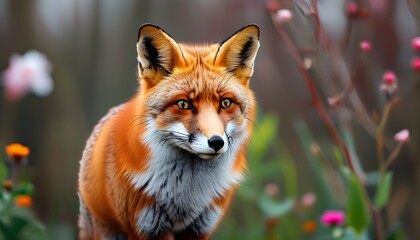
x,y
3,170
272,208
17,220
384,189
357,210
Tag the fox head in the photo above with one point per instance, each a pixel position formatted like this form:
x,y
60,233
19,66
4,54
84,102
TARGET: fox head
x,y
197,97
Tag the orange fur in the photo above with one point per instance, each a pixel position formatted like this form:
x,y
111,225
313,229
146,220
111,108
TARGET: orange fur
x,y
113,200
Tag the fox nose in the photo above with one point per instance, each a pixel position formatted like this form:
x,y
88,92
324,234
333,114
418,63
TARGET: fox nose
x,y
216,143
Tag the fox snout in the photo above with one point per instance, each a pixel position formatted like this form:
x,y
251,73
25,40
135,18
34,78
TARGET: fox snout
x,y
216,143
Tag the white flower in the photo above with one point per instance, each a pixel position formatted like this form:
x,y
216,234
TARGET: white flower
x,y
28,73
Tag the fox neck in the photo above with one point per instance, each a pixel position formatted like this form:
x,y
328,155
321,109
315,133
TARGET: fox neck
x,y
173,169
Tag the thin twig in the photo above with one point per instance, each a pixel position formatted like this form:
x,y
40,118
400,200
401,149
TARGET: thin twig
x,y
391,158
379,131
316,100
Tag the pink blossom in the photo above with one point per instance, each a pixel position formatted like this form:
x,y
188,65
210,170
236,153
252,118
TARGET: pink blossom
x,y
415,64
415,43
284,15
272,6
389,77
334,101
402,136
27,73
389,82
308,200
271,189
332,218
352,9
365,46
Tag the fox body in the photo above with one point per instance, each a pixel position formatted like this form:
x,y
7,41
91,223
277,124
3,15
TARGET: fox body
x,y
165,164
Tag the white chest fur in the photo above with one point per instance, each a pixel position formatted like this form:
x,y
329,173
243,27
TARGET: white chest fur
x,y
184,187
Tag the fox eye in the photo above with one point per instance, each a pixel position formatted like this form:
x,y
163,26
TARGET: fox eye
x,y
225,103
184,105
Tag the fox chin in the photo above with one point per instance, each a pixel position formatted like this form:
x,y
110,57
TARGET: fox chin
x,y
166,164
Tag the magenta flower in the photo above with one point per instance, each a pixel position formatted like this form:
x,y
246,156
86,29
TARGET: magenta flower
x,y
333,218
272,6
402,136
415,43
352,9
365,46
415,64
389,82
27,73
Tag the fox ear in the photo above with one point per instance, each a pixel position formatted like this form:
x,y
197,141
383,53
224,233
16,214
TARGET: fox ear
x,y
237,53
157,53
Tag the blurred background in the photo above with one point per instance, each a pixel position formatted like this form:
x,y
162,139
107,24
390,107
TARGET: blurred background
x,y
91,48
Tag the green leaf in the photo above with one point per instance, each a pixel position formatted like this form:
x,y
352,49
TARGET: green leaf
x,y
271,208
384,189
264,134
306,139
357,211
24,188
288,170
397,233
339,156
349,234
3,170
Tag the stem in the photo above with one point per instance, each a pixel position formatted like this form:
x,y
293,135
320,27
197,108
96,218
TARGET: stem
x,y
391,158
316,101
377,220
317,21
379,133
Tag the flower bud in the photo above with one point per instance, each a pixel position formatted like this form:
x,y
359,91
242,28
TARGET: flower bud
x,y
272,6
352,9
389,83
415,64
284,15
271,189
308,200
8,185
389,77
365,46
415,44
402,136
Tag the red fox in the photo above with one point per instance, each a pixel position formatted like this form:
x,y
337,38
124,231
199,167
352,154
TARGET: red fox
x,y
165,164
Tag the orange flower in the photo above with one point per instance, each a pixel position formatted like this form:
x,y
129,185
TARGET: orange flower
x,y
8,185
309,226
23,201
17,150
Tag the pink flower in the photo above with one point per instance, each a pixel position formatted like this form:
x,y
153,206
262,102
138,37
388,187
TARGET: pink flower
x,y
284,15
389,77
334,101
415,43
308,200
272,6
333,218
389,82
415,64
365,46
352,9
271,189
30,72
402,136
